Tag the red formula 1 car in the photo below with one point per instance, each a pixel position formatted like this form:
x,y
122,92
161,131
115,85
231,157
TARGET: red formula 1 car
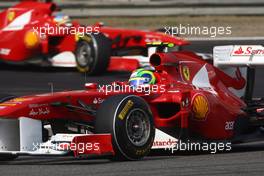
x,y
191,99
34,32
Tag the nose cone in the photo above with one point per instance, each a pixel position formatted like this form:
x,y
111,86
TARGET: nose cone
x,y
18,46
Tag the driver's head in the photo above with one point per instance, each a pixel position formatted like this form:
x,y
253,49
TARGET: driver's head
x,y
142,77
60,18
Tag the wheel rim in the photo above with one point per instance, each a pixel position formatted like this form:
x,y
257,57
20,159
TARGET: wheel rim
x,y
138,127
85,57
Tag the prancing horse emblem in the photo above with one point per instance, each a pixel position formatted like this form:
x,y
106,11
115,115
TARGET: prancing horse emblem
x,y
186,73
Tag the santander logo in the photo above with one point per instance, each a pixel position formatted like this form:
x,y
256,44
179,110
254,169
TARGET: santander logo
x,y
247,50
239,51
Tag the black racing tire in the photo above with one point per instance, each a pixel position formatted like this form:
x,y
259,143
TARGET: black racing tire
x,y
241,126
8,157
93,54
6,97
130,122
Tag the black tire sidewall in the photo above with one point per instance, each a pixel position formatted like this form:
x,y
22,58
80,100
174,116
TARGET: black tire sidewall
x,y
87,40
8,157
81,43
117,127
101,51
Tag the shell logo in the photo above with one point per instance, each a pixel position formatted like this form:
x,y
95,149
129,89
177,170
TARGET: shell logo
x,y
200,107
31,39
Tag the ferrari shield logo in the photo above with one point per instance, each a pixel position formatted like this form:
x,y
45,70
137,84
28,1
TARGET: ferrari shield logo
x,y
186,73
10,16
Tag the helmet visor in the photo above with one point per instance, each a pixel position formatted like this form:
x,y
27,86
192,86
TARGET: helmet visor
x,y
138,81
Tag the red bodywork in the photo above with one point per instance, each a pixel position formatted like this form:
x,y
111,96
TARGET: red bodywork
x,y
209,105
105,141
12,39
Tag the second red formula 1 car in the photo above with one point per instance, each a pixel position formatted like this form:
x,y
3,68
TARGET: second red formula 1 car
x,y
34,32
185,98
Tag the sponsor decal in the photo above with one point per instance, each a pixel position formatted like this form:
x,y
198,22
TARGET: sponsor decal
x,y
142,151
260,110
39,111
37,105
165,143
229,125
98,100
152,39
85,37
248,50
11,16
8,104
18,100
239,51
124,111
200,107
15,102
4,51
186,73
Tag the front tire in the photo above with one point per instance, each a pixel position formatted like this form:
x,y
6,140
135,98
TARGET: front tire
x,y
130,122
93,54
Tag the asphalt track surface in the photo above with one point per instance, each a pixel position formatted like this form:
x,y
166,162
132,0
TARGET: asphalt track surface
x,y
243,160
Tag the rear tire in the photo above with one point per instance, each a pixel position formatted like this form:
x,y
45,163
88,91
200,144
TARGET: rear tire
x,y
129,120
7,157
93,54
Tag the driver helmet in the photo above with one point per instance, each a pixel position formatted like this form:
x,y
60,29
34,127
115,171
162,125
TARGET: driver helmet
x,y
60,18
141,77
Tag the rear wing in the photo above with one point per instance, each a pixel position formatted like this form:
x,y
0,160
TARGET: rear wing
x,y
238,56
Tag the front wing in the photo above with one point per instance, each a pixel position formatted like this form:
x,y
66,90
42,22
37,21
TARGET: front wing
x,y
23,136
